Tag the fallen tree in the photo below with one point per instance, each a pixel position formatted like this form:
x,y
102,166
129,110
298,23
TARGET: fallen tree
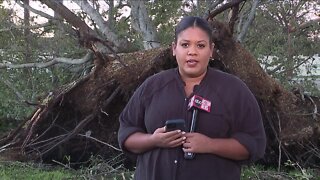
x,y
81,119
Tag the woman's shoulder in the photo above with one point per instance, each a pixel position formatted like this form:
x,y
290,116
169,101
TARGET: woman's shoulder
x,y
224,77
227,83
230,88
158,80
164,75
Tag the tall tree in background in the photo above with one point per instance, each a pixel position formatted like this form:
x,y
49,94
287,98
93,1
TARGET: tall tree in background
x,y
27,52
293,37
142,23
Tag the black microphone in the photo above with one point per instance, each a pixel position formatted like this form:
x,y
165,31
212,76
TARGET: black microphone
x,y
195,103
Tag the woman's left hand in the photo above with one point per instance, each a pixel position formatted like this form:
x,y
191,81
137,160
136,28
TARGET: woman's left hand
x,y
196,143
225,147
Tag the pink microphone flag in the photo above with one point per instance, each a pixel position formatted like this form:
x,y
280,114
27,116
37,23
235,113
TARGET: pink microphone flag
x,y
200,103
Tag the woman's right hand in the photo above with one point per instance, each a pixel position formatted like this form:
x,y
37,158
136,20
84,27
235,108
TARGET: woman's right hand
x,y
141,142
168,139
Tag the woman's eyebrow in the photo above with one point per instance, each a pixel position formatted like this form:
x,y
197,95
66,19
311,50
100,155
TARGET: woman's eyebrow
x,y
185,40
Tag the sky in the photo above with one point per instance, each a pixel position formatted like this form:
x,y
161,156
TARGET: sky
x,y
39,6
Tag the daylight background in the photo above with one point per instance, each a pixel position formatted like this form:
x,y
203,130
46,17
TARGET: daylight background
x,y
41,51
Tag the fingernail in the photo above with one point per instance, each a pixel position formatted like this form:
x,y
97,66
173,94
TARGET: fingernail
x,y
184,138
183,132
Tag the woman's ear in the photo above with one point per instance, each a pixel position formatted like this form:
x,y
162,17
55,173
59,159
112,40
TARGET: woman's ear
x,y
174,46
212,48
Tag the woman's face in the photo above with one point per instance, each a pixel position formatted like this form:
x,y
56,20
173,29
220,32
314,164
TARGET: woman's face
x,y
193,51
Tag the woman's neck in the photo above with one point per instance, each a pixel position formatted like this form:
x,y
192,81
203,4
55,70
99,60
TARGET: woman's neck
x,y
193,80
190,82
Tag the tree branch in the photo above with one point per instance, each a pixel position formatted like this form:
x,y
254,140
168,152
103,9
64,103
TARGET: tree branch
x,y
234,17
96,17
109,145
223,8
291,69
213,5
36,11
11,86
305,25
26,27
246,25
73,133
54,61
69,16
89,37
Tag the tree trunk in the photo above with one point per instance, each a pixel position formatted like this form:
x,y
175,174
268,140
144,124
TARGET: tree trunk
x,y
81,119
141,22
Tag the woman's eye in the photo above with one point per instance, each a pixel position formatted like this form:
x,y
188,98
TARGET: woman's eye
x,y
201,45
184,44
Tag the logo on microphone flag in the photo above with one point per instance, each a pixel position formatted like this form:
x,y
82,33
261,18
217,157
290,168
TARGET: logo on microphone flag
x,y
200,103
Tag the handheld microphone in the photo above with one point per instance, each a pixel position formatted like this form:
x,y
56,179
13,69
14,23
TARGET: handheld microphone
x,y
195,103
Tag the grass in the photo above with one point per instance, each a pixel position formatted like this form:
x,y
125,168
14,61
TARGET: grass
x,y
103,171
258,172
26,171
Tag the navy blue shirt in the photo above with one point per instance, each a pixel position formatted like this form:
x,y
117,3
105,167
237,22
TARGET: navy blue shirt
x,y
234,114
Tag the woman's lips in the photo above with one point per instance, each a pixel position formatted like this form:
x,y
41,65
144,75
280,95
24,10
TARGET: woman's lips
x,y
192,62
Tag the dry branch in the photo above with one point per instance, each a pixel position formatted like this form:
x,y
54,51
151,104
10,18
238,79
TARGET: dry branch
x,y
52,62
75,131
223,8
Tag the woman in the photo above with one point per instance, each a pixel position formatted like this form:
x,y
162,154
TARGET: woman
x,y
230,134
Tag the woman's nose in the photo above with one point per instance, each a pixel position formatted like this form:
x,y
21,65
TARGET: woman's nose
x,y
192,50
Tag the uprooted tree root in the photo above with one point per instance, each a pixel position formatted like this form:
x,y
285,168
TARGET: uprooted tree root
x,y
81,119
